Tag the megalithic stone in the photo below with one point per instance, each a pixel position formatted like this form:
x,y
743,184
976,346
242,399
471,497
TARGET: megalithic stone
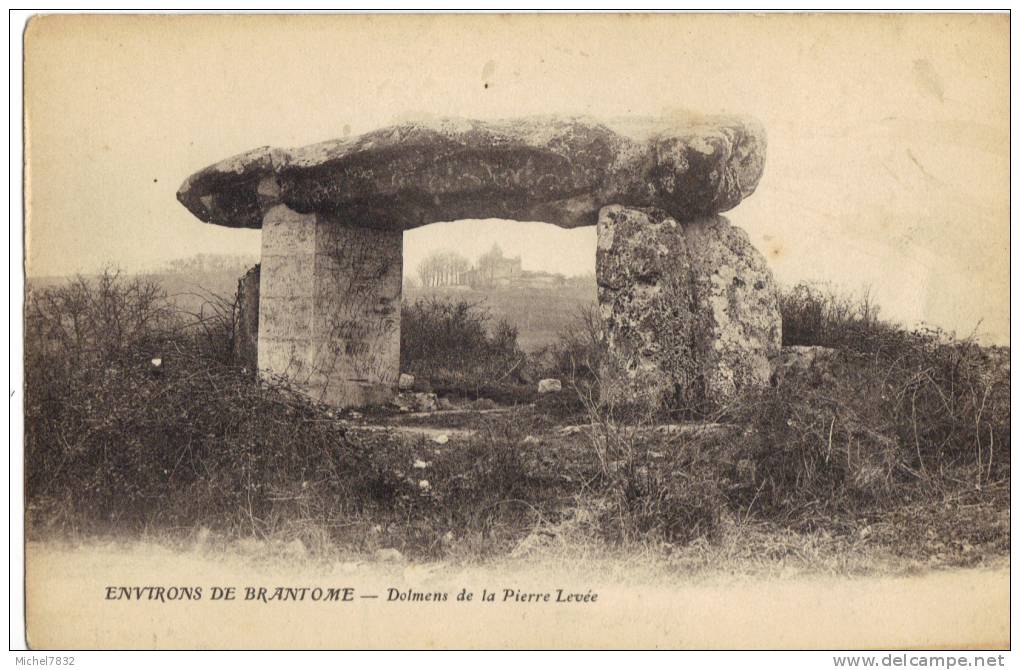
x,y
246,330
557,170
332,216
690,310
329,307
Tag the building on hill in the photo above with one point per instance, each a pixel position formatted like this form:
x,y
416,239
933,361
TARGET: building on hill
x,y
494,269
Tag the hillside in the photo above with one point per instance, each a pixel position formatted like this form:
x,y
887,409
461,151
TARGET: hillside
x,y
540,315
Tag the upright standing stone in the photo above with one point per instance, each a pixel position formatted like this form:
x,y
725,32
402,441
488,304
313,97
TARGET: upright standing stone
x,y
329,310
645,301
690,310
740,326
246,330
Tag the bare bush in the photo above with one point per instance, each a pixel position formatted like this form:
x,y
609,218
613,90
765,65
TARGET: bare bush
x,y
577,355
818,315
104,318
112,438
449,344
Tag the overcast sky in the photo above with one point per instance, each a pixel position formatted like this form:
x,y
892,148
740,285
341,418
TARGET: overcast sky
x,y
888,158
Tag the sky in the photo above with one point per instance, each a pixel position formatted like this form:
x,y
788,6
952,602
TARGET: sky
x,y
887,164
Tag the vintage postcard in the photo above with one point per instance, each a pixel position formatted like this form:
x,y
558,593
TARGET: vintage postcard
x,y
524,331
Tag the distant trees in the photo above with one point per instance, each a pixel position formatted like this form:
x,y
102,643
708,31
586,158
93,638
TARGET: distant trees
x,y
492,268
234,264
442,268
489,262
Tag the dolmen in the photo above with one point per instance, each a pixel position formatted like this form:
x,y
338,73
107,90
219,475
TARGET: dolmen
x,y
689,306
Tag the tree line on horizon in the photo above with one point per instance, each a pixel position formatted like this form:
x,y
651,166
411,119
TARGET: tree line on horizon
x,y
445,267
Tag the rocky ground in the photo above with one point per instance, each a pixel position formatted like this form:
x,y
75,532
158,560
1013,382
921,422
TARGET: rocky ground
x,y
965,527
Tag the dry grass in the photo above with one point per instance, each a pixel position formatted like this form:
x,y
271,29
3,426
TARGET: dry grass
x,y
896,457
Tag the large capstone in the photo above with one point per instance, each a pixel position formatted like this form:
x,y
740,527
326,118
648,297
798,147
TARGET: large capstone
x,y
690,309
557,170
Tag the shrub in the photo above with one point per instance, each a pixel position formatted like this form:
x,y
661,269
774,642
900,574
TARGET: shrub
x,y
895,405
113,443
449,344
111,439
84,322
576,356
815,315
922,409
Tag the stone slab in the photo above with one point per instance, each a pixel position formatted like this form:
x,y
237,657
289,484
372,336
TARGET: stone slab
x,y
552,169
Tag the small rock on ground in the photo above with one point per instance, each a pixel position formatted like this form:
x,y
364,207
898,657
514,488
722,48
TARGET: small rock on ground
x,y
550,386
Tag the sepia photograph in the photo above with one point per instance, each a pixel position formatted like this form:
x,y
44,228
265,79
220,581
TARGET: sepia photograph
x,y
517,331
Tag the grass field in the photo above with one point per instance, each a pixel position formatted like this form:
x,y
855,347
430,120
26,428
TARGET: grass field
x,y
895,458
